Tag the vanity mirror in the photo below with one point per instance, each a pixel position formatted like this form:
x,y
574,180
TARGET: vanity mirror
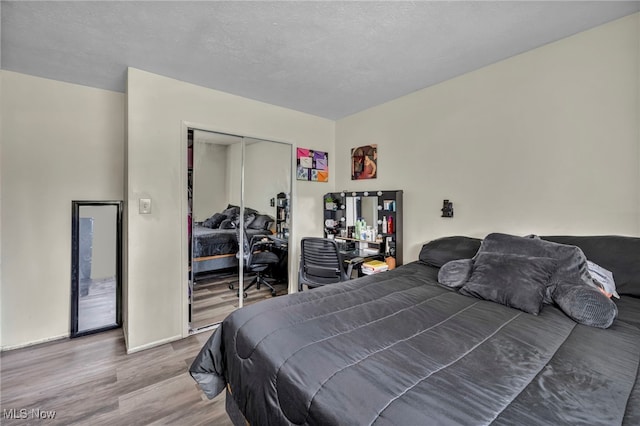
x,y
361,208
370,220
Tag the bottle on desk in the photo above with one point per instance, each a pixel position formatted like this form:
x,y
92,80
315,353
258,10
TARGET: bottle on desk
x,y
362,229
390,225
370,233
384,224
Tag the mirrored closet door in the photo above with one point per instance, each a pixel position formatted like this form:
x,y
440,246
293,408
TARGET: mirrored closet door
x,y
238,191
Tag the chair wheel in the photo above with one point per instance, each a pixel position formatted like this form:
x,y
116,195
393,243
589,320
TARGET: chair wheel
x,y
244,295
273,293
231,287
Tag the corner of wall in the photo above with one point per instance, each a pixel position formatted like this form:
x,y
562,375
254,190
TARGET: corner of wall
x,y
125,222
2,321
638,109
530,129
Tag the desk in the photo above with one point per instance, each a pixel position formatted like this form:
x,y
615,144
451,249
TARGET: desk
x,y
355,258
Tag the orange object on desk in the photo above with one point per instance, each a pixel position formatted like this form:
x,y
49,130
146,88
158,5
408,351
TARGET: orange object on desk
x,y
391,261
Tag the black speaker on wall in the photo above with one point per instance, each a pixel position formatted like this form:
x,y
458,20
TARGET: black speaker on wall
x,y
447,208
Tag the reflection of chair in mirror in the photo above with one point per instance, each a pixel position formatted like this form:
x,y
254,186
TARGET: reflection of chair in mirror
x,y
257,259
321,263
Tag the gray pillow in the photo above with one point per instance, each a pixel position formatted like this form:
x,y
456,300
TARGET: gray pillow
x,y
248,220
249,211
585,305
228,224
442,250
455,273
214,221
511,280
571,261
231,211
262,221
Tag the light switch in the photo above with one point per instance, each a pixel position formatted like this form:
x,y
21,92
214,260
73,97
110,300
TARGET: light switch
x,y
145,206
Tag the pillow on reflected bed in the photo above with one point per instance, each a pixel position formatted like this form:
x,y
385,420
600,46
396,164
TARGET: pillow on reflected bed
x,y
262,221
227,224
214,221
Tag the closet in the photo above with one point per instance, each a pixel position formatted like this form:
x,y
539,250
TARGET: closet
x,y
237,186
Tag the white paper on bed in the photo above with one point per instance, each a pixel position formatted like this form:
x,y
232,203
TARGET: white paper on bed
x,y
604,277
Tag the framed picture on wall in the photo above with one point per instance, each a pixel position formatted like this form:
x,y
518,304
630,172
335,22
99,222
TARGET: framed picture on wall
x,y
364,162
312,165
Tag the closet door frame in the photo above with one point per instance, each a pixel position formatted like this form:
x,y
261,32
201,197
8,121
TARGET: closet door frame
x,y
184,247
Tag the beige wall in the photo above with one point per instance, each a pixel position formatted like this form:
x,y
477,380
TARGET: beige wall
x,y
156,278
209,179
267,172
60,142
545,142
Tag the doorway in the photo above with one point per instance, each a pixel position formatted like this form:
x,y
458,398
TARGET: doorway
x,y
235,186
96,266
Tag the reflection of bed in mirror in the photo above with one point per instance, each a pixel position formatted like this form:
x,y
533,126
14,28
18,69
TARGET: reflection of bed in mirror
x,y
215,241
215,249
224,172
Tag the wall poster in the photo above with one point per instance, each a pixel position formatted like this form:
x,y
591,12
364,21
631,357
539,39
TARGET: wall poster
x,y
364,162
312,165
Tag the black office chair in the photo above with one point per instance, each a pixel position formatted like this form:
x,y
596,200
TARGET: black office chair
x,y
257,259
321,263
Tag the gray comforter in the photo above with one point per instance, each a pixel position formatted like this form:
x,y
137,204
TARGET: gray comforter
x,y
398,349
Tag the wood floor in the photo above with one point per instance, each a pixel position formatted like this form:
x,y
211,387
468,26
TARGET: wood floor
x,y
97,309
91,381
213,300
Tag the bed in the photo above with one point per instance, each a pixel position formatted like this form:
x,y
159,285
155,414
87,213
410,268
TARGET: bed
x,y
400,348
215,241
215,249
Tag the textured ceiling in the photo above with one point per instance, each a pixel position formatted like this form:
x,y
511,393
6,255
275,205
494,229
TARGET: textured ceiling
x,y
329,59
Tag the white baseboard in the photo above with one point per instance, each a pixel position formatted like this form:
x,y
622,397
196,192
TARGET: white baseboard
x,y
35,342
66,336
203,329
153,344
